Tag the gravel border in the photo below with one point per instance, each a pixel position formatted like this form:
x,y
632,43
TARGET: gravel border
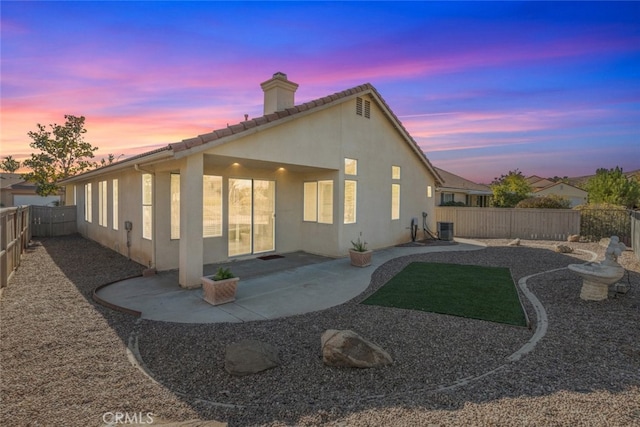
x,y
64,358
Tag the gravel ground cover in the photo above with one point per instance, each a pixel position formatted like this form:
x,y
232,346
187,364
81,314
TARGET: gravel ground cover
x,y
64,358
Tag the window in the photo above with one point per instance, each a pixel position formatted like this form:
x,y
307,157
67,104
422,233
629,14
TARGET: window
x,y
175,206
318,202
147,206
446,198
87,203
429,191
395,172
114,204
350,166
395,201
102,203
350,193
211,206
325,202
310,201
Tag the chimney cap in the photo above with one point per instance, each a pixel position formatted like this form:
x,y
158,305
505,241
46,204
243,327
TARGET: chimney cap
x,y
278,74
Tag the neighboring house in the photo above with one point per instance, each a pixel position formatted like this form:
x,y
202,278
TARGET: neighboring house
x,y
458,189
536,182
310,177
544,187
15,191
575,195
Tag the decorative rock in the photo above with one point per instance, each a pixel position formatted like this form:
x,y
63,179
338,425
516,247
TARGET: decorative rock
x,y
350,350
249,357
573,238
563,249
604,242
515,242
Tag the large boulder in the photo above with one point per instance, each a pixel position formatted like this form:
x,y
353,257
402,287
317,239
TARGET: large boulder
x,y
350,350
563,249
249,357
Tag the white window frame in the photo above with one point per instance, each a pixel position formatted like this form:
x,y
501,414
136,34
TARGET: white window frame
x,y
114,205
88,214
211,220
147,206
310,202
350,166
325,202
174,215
102,203
395,172
395,202
350,201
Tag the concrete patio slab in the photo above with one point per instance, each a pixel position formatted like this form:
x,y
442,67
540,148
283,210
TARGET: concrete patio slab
x,y
295,284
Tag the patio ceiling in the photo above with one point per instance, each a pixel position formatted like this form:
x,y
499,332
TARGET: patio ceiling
x,y
214,160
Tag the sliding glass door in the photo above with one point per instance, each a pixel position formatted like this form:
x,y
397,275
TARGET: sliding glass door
x,y
251,216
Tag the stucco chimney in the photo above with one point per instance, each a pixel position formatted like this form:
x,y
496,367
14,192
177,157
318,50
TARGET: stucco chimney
x,y
278,93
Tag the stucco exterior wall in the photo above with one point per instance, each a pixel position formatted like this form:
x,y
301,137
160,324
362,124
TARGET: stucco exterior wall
x,y
310,148
129,209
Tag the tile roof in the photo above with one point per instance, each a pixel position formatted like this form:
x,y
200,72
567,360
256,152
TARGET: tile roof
x,y
301,108
454,181
273,117
247,125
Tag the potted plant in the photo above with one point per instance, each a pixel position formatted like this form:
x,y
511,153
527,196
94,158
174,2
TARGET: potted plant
x,y
220,288
359,254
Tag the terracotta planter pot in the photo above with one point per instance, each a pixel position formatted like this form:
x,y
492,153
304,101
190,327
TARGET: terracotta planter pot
x,y
360,259
217,292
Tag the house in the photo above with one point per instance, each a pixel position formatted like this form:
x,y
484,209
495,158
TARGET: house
x,y
545,187
576,196
536,182
456,189
15,191
311,177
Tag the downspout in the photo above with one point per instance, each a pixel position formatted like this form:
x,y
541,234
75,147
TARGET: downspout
x,y
153,200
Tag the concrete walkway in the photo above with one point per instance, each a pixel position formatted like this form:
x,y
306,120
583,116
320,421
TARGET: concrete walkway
x,y
314,286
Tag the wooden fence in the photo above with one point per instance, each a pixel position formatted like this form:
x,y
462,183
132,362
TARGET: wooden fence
x,y
51,221
506,223
14,238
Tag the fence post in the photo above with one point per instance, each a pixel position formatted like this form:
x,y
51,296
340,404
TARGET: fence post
x,y
4,262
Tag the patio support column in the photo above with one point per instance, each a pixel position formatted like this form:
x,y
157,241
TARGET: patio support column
x,y
191,250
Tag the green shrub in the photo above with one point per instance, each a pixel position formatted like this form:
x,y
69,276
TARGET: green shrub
x,y
452,203
545,202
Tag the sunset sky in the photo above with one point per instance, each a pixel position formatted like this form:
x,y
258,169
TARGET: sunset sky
x,y
550,88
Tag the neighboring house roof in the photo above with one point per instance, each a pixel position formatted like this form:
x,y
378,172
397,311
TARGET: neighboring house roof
x,y
536,182
556,184
455,183
10,180
230,133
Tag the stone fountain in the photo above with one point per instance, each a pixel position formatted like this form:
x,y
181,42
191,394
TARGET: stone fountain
x,y
597,276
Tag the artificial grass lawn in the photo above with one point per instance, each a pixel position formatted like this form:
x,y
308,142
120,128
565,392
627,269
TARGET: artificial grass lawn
x,y
486,293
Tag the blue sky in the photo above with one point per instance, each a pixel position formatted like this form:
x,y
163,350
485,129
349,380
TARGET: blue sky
x,y
550,88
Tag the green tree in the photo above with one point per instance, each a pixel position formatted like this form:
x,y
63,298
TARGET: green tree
x,y
63,153
9,164
614,187
509,189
